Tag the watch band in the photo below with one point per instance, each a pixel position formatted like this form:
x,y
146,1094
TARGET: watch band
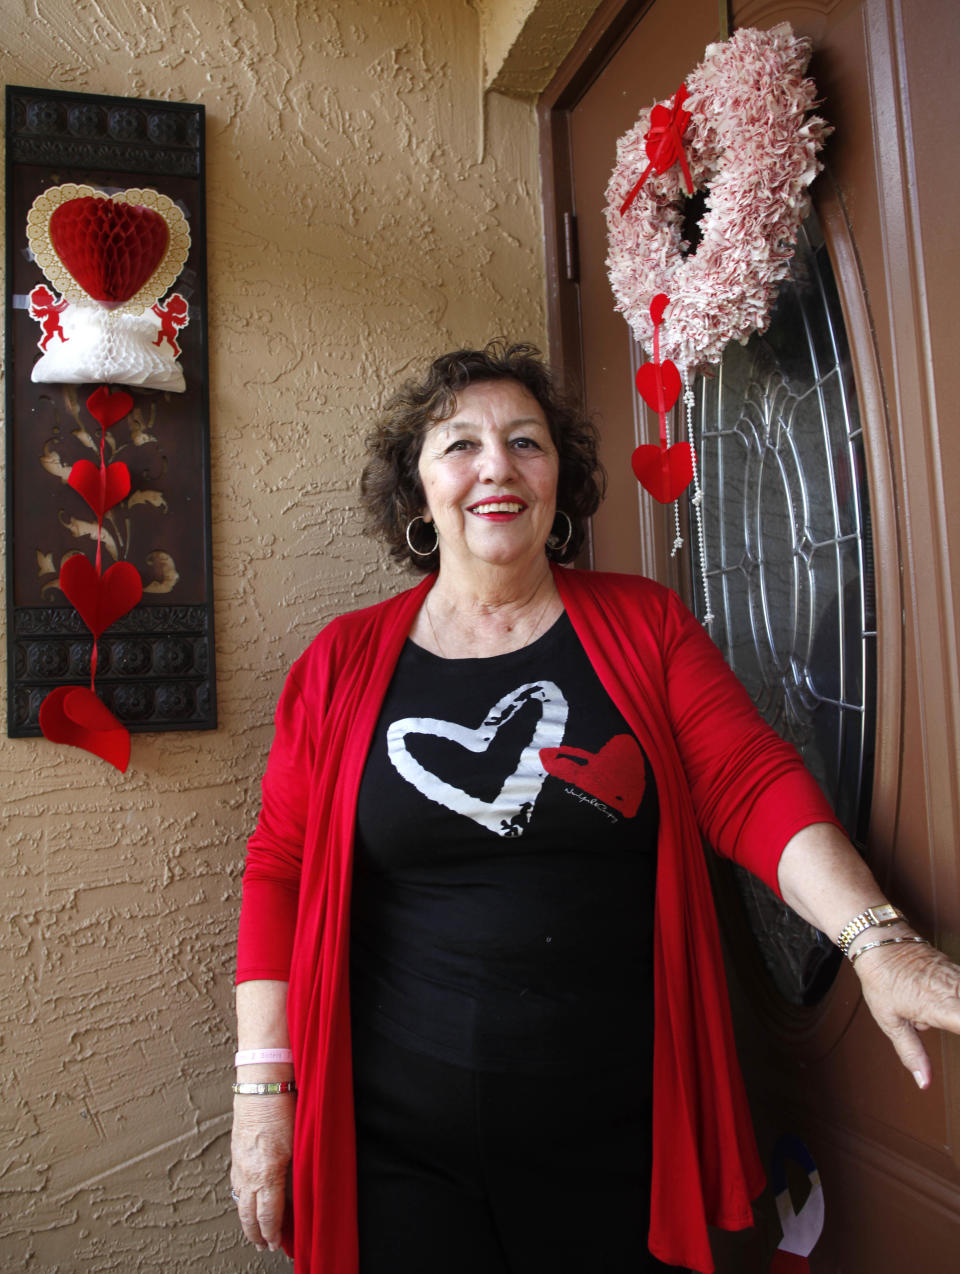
x,y
873,918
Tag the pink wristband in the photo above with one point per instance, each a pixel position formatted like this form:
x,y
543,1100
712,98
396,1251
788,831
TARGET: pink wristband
x,y
253,1056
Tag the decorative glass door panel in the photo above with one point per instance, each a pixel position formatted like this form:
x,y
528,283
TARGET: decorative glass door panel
x,y
789,567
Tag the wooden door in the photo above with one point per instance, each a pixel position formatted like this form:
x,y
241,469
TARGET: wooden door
x,y
888,1155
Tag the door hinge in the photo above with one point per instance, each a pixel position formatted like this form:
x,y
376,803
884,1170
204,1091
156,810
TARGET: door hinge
x,y
570,253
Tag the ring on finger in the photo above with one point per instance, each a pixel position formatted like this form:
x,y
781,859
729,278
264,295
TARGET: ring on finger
x,y
235,1195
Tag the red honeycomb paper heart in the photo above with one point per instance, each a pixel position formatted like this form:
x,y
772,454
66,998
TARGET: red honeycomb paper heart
x,y
100,599
111,249
74,715
663,471
102,486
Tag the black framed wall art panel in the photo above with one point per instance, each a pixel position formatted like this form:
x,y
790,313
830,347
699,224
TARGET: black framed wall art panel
x,y
155,664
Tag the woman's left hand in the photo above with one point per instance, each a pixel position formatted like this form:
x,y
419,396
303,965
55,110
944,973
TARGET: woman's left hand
x,y
908,988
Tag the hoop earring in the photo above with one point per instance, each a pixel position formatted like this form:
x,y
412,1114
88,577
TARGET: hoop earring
x,y
553,545
410,546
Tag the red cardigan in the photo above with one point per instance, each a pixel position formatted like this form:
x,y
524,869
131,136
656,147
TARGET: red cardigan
x,y
720,771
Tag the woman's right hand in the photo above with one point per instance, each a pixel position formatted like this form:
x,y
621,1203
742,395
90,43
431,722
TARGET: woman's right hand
x,y
261,1149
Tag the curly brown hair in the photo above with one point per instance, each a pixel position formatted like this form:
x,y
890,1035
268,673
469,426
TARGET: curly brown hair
x,y
391,487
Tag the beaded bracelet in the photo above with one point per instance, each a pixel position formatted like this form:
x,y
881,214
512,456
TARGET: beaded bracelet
x,y
264,1090
885,942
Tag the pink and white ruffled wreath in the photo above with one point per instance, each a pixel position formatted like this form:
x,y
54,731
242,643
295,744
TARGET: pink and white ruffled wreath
x,y
752,148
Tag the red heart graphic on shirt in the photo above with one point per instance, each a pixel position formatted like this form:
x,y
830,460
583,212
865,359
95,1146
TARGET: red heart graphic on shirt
x,y
110,248
663,471
100,599
615,775
107,408
74,715
102,486
653,378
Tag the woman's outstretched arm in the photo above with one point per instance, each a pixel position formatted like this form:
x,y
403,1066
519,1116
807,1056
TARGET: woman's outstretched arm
x,y
907,986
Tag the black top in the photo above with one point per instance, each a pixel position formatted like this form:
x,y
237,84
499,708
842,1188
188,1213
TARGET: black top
x,y
505,864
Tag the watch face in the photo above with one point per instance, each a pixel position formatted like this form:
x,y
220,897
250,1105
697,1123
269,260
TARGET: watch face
x,y
886,912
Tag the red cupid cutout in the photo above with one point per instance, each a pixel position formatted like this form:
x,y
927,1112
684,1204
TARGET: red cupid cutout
x,y
614,775
74,715
663,142
102,486
107,408
663,471
100,599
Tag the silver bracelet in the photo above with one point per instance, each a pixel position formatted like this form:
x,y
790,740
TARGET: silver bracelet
x,y
265,1090
885,942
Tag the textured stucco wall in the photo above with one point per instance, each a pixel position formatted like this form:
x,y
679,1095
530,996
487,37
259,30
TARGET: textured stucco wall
x,y
524,41
366,207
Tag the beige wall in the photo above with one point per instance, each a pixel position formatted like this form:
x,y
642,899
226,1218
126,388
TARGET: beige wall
x,y
366,208
524,41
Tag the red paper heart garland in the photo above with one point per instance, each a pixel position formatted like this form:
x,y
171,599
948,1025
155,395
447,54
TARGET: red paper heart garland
x,y
74,714
662,470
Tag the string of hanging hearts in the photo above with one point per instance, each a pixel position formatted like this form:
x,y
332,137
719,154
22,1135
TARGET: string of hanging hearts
x,y
738,124
75,714
665,469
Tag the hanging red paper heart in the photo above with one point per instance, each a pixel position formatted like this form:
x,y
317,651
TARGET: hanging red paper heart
x,y
74,715
107,408
100,599
658,384
110,248
663,471
102,486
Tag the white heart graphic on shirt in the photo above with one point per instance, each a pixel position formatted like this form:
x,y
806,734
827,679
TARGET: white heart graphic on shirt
x,y
510,810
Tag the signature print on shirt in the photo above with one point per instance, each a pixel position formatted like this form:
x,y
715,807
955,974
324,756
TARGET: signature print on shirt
x,y
509,812
614,775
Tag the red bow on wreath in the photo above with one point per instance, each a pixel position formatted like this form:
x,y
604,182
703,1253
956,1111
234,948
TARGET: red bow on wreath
x,y
663,142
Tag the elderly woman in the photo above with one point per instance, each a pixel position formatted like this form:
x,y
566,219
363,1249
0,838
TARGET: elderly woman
x,y
476,922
